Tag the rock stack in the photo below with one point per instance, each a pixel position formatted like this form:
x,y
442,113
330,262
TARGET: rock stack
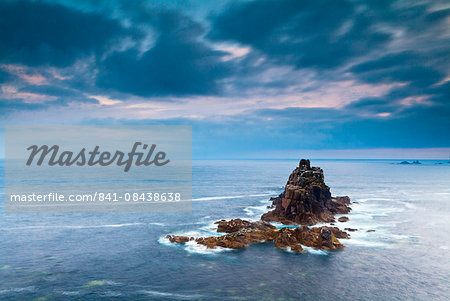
x,y
306,199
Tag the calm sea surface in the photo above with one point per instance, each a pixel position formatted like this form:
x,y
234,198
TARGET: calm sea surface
x,y
126,257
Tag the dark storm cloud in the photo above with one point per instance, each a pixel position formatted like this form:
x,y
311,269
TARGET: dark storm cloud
x,y
5,76
36,34
419,76
178,63
409,67
389,41
318,34
376,42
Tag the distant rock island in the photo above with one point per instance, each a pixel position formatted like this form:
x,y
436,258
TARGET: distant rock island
x,y
408,163
306,200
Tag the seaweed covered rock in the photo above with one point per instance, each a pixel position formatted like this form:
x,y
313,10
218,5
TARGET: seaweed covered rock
x,y
306,199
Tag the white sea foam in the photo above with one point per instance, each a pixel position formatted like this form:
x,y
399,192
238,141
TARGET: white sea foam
x,y
192,246
442,193
170,296
314,251
226,197
18,290
374,210
365,243
210,229
366,216
165,241
255,211
280,225
308,250
70,293
83,226
192,233
157,224
111,294
195,248
363,200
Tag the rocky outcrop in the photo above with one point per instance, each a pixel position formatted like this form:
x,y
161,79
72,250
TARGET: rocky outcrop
x,y
325,238
306,199
179,238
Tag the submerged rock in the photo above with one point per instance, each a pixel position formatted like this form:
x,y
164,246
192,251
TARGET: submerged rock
x,y
351,229
325,238
306,199
343,219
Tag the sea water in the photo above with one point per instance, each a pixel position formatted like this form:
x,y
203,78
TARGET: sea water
x,y
127,257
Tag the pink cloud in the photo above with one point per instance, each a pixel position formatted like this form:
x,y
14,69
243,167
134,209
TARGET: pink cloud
x,y
25,74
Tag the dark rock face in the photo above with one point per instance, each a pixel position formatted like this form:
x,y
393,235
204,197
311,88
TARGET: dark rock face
x,y
324,238
306,199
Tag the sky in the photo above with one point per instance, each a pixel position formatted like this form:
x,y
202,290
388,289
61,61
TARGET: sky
x,y
262,79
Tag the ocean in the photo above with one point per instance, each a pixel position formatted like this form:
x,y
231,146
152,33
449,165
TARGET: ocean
x,y
127,257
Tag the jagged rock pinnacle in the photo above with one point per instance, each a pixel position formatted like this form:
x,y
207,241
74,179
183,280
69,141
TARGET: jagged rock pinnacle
x,y
306,199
